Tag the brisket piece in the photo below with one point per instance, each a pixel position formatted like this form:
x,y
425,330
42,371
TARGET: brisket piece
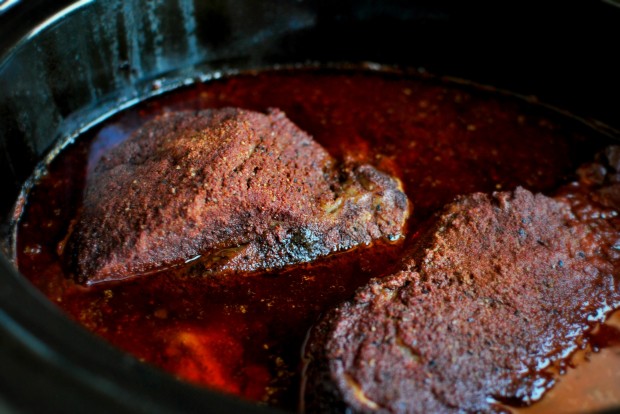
x,y
237,190
497,290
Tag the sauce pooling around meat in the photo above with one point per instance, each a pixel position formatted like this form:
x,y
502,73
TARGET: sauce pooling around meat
x,y
244,335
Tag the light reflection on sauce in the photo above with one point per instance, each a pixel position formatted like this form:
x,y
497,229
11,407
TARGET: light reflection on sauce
x,y
591,387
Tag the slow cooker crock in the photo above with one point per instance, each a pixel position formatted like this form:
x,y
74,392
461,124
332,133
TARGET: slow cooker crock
x,y
67,65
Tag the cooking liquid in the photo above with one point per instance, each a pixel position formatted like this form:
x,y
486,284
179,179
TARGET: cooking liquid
x,y
243,334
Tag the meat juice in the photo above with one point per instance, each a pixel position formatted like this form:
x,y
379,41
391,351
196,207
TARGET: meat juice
x,y
243,334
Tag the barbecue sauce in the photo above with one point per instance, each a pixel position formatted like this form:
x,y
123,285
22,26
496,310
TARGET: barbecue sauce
x,y
243,334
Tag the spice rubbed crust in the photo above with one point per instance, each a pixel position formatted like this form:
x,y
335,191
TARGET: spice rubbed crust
x,y
234,190
496,290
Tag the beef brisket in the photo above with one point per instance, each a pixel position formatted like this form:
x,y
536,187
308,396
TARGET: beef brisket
x,y
237,190
495,292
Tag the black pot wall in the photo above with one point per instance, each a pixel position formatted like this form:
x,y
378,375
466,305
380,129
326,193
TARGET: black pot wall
x,y
60,74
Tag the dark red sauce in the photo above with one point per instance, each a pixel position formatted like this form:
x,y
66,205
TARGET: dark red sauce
x,y
244,334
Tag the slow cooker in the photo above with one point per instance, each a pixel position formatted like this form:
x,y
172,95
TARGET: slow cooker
x,y
65,66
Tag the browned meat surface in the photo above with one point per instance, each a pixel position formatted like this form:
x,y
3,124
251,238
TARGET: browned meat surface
x,y
497,291
233,189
